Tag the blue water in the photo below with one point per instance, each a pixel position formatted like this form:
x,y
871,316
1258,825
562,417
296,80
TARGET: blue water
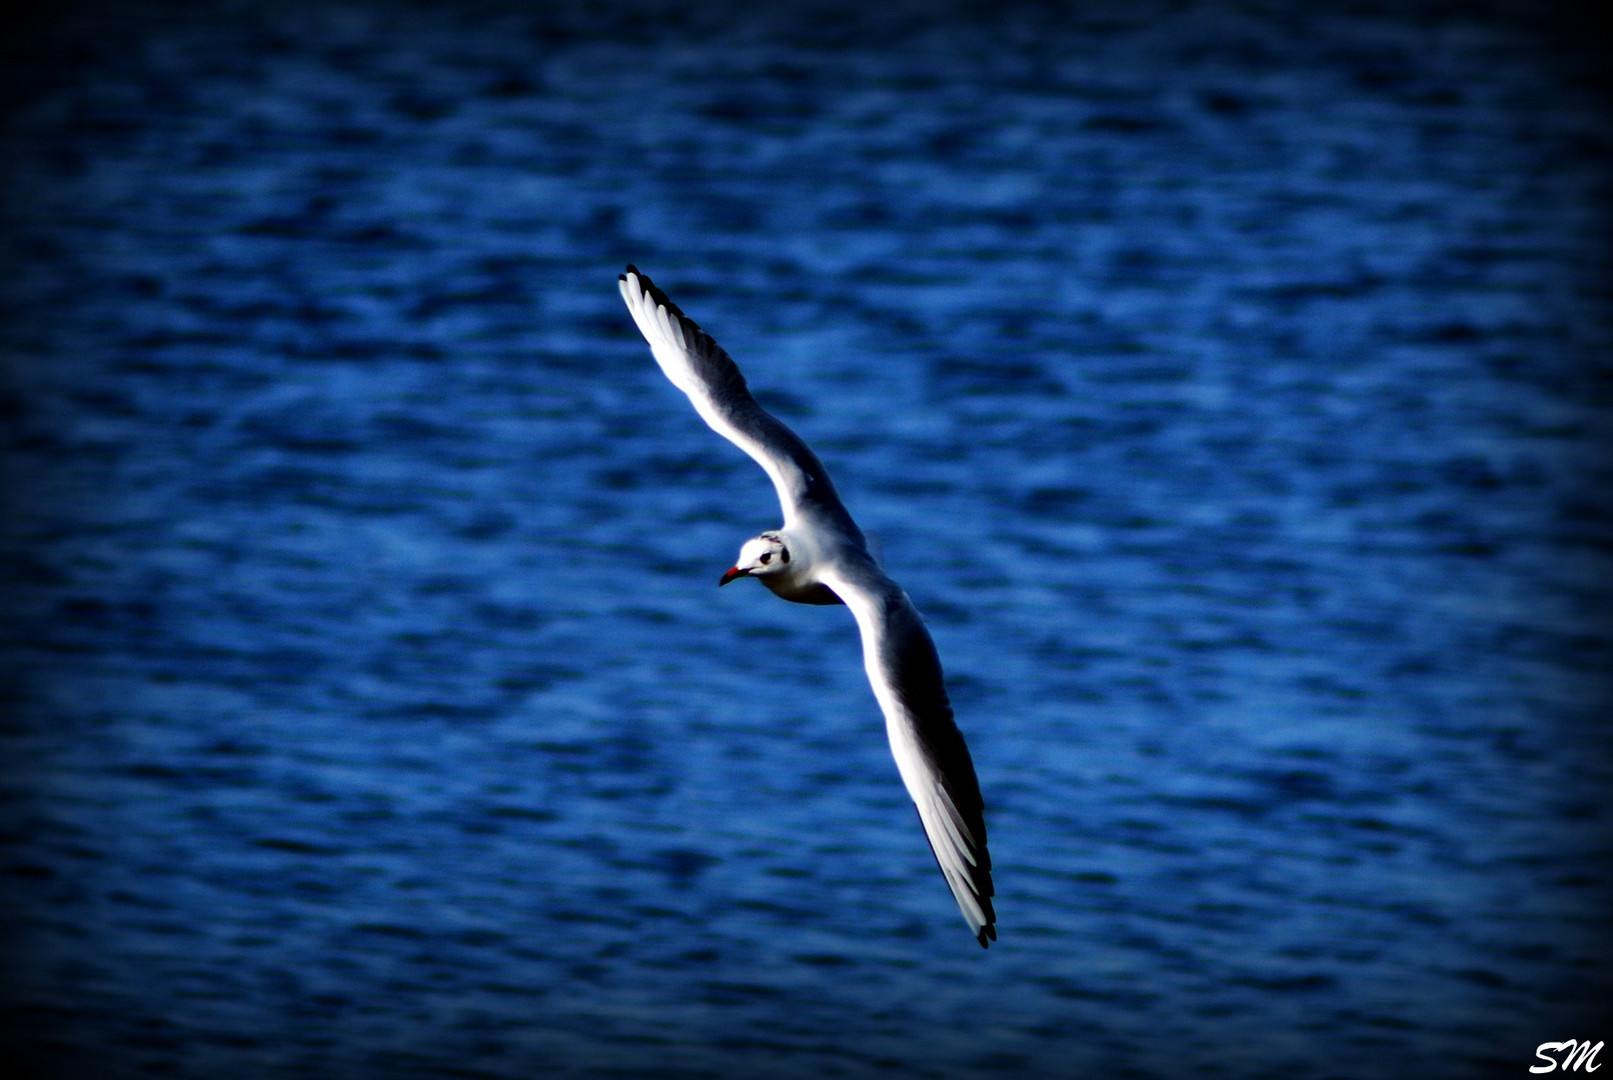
x,y
1230,388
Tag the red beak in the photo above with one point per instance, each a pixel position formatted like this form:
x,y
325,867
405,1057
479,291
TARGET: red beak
x,y
733,572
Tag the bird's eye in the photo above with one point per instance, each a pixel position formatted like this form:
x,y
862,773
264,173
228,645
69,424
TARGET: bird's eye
x,y
767,557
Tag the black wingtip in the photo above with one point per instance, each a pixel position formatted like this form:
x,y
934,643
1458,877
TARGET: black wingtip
x,y
985,933
656,295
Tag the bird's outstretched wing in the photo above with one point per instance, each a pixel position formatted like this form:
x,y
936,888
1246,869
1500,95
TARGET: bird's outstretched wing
x,y
930,753
701,368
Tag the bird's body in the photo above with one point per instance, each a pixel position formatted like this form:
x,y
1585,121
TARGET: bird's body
x,y
820,556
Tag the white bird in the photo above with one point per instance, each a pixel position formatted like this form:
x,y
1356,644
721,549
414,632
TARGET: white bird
x,y
819,556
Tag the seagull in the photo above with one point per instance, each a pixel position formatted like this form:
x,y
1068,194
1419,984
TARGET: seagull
x,y
819,556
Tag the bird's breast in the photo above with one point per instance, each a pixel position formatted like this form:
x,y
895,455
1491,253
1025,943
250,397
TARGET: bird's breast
x,y
802,592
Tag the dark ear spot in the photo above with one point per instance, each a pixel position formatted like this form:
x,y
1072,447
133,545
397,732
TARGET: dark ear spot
x,y
785,552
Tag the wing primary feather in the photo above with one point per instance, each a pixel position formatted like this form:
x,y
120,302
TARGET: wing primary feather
x,y
693,362
930,753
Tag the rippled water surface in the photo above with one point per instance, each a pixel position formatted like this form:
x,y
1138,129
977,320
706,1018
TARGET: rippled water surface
x,y
1229,387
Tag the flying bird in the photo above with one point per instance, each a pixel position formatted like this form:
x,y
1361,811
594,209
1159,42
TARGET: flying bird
x,y
819,556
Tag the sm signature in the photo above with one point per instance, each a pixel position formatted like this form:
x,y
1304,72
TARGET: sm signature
x,y
1576,1054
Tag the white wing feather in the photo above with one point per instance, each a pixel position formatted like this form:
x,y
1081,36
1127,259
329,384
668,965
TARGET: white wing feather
x,y
698,366
930,753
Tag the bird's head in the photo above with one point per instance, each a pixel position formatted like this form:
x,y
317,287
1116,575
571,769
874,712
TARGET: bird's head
x,y
759,557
